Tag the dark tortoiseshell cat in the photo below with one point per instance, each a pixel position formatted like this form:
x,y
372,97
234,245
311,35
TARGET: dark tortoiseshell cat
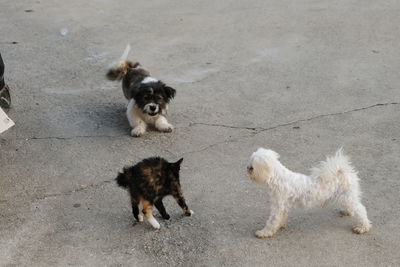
x,y
148,182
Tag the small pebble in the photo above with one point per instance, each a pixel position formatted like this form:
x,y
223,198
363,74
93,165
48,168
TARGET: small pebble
x,y
63,31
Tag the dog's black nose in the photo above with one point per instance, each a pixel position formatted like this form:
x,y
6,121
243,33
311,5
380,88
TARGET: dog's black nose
x,y
153,108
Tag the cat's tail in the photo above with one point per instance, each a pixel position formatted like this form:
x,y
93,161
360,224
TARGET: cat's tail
x,y
123,178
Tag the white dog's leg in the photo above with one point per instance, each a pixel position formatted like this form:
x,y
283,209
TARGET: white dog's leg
x,y
163,125
138,125
284,219
139,129
359,211
352,206
129,112
275,221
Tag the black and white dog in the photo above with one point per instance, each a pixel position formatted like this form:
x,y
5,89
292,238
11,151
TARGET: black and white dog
x,y
148,98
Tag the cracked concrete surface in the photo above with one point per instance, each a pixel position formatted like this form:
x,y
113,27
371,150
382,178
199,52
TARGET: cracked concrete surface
x,y
259,129
302,78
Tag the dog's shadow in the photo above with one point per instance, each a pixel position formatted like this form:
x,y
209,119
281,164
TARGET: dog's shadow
x,y
103,119
307,223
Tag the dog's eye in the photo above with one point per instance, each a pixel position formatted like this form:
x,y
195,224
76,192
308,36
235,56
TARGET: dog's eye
x,y
158,97
249,168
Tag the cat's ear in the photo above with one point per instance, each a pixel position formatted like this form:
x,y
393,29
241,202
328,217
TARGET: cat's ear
x,y
177,165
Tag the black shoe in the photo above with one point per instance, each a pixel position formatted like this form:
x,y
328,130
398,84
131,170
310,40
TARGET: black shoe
x,y
5,98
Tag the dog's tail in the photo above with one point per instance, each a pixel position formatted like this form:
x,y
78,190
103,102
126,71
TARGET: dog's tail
x,y
123,178
118,70
337,167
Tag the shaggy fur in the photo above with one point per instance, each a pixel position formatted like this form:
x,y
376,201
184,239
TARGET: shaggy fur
x,y
148,98
148,182
334,181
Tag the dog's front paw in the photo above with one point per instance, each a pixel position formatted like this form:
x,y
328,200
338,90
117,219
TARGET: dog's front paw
x,y
166,128
166,216
137,132
263,234
361,229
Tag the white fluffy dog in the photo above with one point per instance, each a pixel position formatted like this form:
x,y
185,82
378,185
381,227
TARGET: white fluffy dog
x,y
334,181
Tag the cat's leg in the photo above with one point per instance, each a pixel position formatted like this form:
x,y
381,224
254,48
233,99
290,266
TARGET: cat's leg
x,y
182,203
148,214
160,206
135,208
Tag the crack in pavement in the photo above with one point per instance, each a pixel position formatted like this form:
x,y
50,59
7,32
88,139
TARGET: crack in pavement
x,y
254,129
225,126
208,147
69,137
69,192
329,114
261,129
257,130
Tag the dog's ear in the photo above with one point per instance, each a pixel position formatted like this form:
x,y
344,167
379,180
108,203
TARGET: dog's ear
x,y
170,92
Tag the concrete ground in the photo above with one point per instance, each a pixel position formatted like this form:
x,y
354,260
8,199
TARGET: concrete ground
x,y
301,77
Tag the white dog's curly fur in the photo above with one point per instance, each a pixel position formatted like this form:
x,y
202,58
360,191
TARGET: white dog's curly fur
x,y
334,181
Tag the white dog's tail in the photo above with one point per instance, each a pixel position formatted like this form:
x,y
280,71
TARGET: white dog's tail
x,y
118,70
337,166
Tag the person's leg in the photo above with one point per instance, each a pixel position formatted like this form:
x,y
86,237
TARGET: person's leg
x,y
1,72
5,99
